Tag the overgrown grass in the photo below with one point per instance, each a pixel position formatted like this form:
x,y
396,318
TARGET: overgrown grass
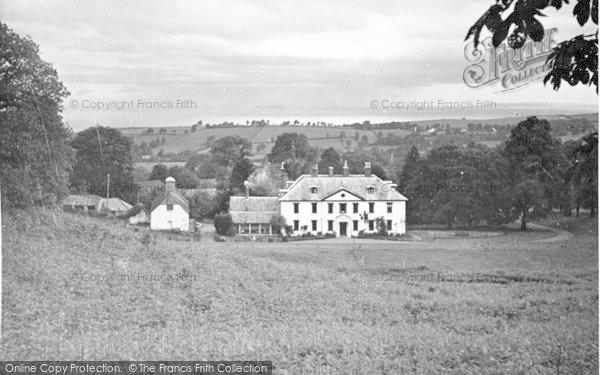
x,y
313,307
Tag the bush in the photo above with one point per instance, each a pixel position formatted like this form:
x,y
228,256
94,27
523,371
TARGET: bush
x,y
224,224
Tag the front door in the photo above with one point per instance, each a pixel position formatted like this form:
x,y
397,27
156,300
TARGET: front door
x,y
343,229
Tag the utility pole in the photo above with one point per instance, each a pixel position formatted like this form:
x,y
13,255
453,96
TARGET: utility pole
x,y
0,261
107,187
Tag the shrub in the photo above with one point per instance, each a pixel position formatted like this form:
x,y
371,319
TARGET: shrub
x,y
224,224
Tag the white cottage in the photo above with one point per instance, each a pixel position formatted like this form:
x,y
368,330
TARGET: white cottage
x,y
170,210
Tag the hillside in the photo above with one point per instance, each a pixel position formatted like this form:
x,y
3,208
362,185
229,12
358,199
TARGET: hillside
x,y
305,306
179,139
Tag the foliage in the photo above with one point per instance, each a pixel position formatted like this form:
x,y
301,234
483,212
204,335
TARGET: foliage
x,y
228,150
242,169
224,224
35,159
159,172
293,152
264,181
381,226
330,158
573,61
184,178
278,222
202,205
101,151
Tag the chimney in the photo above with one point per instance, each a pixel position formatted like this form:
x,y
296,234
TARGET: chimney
x,y
315,170
330,171
169,184
367,169
346,170
247,186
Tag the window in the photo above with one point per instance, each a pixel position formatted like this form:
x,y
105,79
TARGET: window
x,y
389,225
342,208
296,207
371,207
313,190
169,207
355,225
371,189
370,224
314,208
314,225
355,208
296,225
254,228
330,225
330,208
389,207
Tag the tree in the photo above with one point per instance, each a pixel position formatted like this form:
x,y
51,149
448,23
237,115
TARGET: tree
x,y
289,146
101,151
159,172
293,151
228,150
531,153
224,225
410,168
184,178
264,181
585,176
202,205
330,158
574,61
242,170
35,158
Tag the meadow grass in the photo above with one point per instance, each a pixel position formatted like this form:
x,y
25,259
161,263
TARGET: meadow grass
x,y
312,307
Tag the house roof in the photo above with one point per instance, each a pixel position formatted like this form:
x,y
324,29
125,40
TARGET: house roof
x,y
82,200
115,204
328,185
253,209
171,197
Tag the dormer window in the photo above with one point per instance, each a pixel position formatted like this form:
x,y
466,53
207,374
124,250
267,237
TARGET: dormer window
x,y
370,189
313,190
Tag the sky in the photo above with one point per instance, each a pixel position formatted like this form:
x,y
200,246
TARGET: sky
x,y
173,63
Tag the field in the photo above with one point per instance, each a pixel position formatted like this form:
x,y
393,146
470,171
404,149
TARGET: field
x,y
500,305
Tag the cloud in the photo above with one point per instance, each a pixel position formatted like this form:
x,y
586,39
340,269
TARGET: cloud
x,y
250,56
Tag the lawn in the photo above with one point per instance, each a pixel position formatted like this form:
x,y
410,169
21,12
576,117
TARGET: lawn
x,y
312,307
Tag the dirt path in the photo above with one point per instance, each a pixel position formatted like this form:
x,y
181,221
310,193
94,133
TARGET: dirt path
x,y
560,235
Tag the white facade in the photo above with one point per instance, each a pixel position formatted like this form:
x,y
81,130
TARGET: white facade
x,y
354,222
162,218
170,211
346,205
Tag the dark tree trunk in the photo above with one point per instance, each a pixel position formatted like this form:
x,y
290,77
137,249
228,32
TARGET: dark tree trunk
x,y
592,211
577,211
524,221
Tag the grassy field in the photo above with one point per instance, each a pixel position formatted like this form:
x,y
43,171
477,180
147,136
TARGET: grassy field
x,y
311,307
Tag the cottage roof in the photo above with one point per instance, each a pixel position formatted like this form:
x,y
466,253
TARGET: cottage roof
x,y
82,200
328,185
171,197
253,209
115,204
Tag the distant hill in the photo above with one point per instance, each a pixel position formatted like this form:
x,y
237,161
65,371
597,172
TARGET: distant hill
x,y
179,139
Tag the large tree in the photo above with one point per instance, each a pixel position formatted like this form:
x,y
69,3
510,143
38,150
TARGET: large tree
x,y
228,150
293,151
574,61
330,158
101,151
35,158
532,155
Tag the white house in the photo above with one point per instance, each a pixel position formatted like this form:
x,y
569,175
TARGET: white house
x,y
341,204
170,210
